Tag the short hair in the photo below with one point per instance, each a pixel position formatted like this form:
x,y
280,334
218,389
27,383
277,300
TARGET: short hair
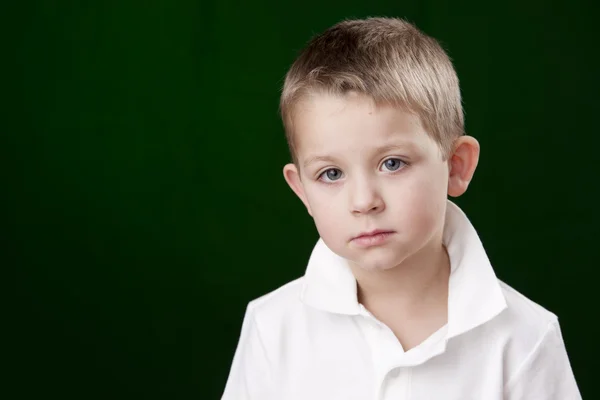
x,y
386,59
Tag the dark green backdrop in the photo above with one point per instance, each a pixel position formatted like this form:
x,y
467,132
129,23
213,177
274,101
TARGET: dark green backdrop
x,y
143,203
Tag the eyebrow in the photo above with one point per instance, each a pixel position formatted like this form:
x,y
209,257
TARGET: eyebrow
x,y
378,150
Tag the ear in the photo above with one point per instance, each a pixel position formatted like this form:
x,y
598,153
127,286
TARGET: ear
x,y
462,163
292,177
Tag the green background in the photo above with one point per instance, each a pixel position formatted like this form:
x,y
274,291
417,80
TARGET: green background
x,y
143,203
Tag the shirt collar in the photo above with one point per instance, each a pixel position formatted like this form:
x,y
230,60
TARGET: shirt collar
x,y
474,293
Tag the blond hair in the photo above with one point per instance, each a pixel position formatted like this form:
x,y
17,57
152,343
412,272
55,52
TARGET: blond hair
x,y
387,59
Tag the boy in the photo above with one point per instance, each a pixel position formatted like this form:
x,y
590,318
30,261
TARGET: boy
x,y
399,300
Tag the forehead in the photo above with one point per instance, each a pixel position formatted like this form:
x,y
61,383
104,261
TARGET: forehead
x,y
330,124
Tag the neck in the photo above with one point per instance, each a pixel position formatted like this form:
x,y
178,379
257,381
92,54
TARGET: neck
x,y
420,280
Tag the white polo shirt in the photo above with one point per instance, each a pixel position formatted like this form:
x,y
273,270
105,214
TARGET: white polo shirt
x,y
311,339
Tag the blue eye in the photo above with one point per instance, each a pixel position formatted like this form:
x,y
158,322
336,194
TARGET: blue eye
x,y
393,164
332,174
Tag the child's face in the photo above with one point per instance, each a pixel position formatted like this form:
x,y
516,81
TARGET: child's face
x,y
359,189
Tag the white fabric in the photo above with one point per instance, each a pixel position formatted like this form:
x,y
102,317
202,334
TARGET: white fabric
x,y
312,340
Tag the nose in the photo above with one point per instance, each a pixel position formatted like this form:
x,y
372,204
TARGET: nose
x,y
365,197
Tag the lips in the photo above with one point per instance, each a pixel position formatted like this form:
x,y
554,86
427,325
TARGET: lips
x,y
373,239
372,233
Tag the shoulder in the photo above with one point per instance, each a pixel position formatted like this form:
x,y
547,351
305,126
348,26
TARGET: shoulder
x,y
535,354
522,327
280,321
524,317
278,305
524,322
284,296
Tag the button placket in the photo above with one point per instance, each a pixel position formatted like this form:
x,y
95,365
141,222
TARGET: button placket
x,y
396,384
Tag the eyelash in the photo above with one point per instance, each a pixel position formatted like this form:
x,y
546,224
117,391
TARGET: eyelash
x,y
404,165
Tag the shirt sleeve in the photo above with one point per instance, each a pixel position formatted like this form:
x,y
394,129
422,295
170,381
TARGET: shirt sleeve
x,y
250,374
546,373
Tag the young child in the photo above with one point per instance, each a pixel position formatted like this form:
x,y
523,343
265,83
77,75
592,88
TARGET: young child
x,y
399,300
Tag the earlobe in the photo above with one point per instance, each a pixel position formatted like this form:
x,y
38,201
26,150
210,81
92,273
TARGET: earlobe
x,y
292,177
462,162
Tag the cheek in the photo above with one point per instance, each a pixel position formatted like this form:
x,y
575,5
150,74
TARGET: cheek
x,y
423,201
326,213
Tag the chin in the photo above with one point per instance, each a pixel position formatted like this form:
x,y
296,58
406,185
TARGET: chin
x,y
376,267
375,259
374,263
